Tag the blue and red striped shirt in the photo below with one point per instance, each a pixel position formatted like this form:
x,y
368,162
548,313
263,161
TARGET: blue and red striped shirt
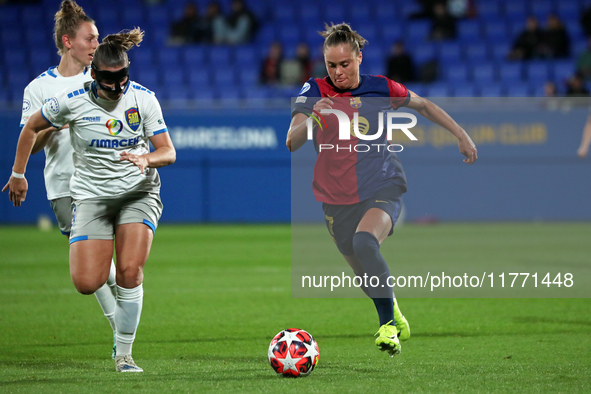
x,y
348,171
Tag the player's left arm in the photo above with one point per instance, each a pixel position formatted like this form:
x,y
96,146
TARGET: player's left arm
x,y
164,153
436,114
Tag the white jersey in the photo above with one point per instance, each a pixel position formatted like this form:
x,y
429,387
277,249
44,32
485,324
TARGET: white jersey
x,y
59,165
100,130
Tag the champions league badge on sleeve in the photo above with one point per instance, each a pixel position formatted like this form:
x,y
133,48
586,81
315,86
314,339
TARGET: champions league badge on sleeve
x,y
132,116
54,106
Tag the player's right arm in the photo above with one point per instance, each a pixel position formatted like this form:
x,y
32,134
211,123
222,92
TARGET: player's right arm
x,y
42,138
17,187
298,132
32,101
296,135
586,139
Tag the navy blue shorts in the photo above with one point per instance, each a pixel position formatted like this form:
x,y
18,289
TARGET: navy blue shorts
x,y
342,220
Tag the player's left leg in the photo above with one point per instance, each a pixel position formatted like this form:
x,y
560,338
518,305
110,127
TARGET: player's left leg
x,y
372,230
399,320
132,245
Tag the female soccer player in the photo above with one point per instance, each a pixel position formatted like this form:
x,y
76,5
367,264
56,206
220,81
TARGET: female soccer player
x,y
361,189
76,38
115,185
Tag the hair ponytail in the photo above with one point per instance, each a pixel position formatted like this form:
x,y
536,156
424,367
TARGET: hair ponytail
x,y
112,51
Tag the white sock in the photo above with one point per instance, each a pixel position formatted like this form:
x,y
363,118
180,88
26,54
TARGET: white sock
x,y
127,317
106,296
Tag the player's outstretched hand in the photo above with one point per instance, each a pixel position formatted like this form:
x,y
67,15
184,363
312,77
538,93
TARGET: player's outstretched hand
x,y
139,160
17,190
468,149
324,103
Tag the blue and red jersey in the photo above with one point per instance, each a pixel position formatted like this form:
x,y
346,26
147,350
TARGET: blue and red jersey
x,y
354,169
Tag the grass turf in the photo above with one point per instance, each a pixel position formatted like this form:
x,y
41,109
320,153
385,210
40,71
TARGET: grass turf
x,y
216,295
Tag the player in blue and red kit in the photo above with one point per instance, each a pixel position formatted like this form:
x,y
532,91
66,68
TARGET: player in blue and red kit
x,y
360,181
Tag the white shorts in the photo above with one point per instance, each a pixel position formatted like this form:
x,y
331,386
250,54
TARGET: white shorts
x,y
62,209
97,218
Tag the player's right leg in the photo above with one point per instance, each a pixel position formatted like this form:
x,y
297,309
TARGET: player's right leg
x,y
105,295
90,262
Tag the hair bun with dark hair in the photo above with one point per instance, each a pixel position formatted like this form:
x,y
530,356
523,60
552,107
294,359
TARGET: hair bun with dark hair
x,y
342,34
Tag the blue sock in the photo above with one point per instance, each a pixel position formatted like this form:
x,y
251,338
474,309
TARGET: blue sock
x,y
385,308
367,251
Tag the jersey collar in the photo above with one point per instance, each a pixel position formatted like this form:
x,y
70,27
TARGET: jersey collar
x,y
53,73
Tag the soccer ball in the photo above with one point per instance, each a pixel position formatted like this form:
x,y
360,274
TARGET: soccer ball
x,y
293,352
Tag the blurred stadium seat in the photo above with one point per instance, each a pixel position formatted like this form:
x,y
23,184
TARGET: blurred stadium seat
x,y
465,90
484,73
511,72
491,91
538,71
518,90
469,30
457,73
450,52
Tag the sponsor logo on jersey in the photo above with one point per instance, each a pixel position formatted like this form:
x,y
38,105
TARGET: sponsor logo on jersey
x,y
305,88
132,116
26,105
301,99
92,119
355,102
53,105
114,126
362,125
115,143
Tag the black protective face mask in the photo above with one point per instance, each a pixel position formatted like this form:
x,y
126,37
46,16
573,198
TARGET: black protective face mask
x,y
112,77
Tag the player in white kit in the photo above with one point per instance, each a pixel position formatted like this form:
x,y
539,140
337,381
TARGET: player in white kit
x,y
76,38
115,185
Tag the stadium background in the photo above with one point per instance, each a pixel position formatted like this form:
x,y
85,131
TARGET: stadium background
x,y
229,129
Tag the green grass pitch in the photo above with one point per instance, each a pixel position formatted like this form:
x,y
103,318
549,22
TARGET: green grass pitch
x,y
216,295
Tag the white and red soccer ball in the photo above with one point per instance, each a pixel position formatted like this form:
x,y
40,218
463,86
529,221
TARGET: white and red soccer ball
x,y
293,352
